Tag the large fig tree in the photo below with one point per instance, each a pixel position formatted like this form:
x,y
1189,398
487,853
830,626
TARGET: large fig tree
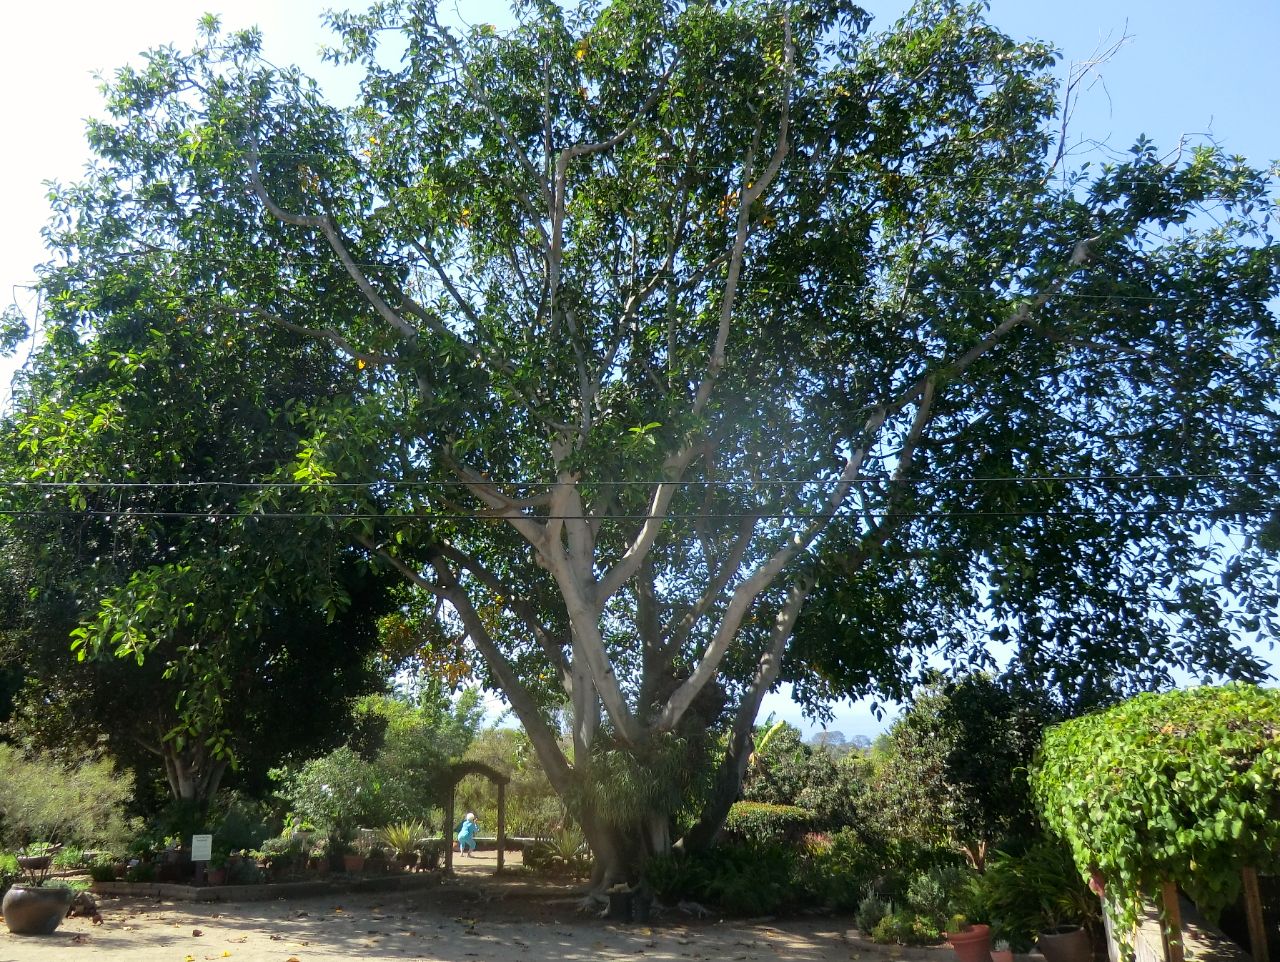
x,y
667,318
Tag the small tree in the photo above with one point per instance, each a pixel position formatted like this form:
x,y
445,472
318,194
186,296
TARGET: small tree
x,y
785,771
954,768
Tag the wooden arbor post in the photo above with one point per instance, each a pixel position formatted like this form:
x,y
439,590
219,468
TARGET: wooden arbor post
x,y
457,772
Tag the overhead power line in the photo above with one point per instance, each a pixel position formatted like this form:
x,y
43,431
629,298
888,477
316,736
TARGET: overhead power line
x,y
97,483
489,515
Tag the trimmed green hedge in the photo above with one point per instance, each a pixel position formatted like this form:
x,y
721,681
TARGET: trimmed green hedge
x,y
1182,786
760,821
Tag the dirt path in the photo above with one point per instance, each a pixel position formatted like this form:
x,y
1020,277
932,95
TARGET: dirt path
x,y
475,916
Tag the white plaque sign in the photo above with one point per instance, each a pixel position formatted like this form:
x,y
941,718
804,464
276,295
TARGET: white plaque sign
x,y
201,848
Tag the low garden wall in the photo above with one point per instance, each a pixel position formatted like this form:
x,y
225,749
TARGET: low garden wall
x,y
267,890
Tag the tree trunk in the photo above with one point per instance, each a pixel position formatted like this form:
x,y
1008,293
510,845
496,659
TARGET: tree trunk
x,y
192,776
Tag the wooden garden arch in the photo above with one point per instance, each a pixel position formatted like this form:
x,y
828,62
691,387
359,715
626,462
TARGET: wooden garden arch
x,y
457,772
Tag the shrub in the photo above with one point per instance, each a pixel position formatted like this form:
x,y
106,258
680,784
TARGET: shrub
x,y
761,822
1040,889
9,871
563,852
102,871
844,870
1177,787
675,876
69,857
284,853
940,892
753,878
142,872
41,799
906,928
402,837
239,823
871,910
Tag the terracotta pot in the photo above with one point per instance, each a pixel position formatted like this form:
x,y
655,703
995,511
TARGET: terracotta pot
x,y
35,911
973,944
1066,944
353,863
218,876
1002,955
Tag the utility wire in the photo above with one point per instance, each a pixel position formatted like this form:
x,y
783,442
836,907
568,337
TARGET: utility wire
x,y
816,283
690,482
1215,513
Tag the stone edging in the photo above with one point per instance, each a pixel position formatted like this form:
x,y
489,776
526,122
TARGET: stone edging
x,y
266,891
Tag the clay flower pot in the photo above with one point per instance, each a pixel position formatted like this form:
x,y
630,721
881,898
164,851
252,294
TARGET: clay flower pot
x,y
35,911
973,944
1069,943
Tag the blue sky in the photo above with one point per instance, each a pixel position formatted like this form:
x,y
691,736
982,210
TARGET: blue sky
x,y
1188,68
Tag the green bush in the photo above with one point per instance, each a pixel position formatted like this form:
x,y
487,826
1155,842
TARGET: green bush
x,y
1035,891
906,928
1178,787
941,892
9,871
68,857
871,910
841,873
763,822
674,877
563,852
102,872
753,878
40,799
142,872
402,837
239,823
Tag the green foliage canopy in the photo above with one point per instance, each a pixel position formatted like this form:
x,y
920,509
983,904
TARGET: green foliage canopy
x,y
651,323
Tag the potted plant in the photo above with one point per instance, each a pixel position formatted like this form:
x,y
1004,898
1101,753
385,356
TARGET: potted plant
x,y
966,928
1040,896
318,855
971,941
352,858
401,838
31,907
376,861
429,853
217,874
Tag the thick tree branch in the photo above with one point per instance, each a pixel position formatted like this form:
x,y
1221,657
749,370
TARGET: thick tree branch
x,y
560,183
324,334
522,701
745,594
752,189
510,596
626,566
678,634
733,765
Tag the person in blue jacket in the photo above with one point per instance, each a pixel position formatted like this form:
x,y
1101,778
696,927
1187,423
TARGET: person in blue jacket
x,y
467,835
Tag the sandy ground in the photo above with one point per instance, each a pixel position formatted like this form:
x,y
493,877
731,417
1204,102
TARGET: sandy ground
x,y
476,916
